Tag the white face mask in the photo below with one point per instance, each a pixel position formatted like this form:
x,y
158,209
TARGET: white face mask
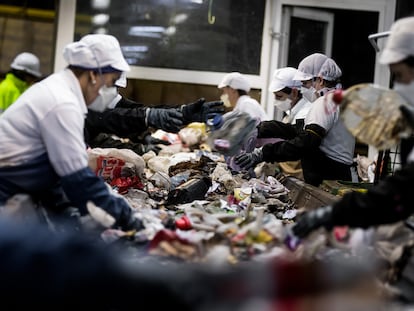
x,y
225,99
406,91
104,99
309,93
283,105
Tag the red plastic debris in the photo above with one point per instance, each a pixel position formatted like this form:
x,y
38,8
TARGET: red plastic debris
x,y
122,184
183,223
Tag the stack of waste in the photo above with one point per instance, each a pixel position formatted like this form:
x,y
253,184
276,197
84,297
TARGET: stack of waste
x,y
196,211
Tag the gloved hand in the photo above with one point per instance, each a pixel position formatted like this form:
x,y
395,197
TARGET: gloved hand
x,y
151,144
151,140
133,223
167,119
249,160
312,220
148,148
201,110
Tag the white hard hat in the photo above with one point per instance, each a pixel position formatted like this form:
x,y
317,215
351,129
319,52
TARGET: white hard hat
x,y
310,66
330,70
400,43
96,51
283,77
236,81
27,62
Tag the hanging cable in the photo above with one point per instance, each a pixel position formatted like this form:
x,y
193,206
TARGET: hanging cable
x,y
211,18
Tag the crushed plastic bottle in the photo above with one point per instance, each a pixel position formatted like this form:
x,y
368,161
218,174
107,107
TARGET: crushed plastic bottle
x,y
372,113
230,132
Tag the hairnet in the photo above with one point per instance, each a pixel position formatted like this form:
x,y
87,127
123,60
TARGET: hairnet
x,y
96,51
310,66
330,70
400,43
236,81
283,77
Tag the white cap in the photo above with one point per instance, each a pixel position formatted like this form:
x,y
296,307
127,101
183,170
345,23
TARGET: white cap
x,y
236,81
282,78
330,70
27,62
310,66
400,43
96,51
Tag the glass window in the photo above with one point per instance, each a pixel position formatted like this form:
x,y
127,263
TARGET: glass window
x,y
202,35
27,26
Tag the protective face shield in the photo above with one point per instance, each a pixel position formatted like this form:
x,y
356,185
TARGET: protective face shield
x,y
225,99
309,93
406,91
283,105
105,98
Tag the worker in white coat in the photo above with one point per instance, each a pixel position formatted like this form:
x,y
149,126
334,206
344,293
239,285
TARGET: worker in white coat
x,y
325,147
235,88
289,99
42,147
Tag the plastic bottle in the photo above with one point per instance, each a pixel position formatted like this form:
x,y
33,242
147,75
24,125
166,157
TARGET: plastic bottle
x,y
215,124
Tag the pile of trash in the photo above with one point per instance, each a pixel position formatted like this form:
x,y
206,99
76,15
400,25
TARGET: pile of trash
x,y
194,208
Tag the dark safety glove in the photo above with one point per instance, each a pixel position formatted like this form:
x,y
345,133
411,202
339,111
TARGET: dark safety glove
x,y
312,220
133,223
249,160
148,148
151,144
151,140
201,110
167,119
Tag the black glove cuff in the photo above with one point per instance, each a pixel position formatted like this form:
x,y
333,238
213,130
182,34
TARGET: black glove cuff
x,y
187,116
133,223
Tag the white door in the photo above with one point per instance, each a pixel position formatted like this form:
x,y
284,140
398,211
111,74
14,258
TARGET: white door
x,y
303,29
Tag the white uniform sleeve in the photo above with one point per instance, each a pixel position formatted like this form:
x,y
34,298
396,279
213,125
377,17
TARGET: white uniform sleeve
x,y
62,131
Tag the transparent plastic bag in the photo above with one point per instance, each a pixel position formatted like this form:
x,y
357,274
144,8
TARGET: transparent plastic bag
x,y
372,114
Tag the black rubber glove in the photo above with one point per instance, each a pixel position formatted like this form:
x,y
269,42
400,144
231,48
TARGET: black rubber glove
x,y
167,119
148,148
151,144
151,140
249,160
201,110
312,220
133,223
